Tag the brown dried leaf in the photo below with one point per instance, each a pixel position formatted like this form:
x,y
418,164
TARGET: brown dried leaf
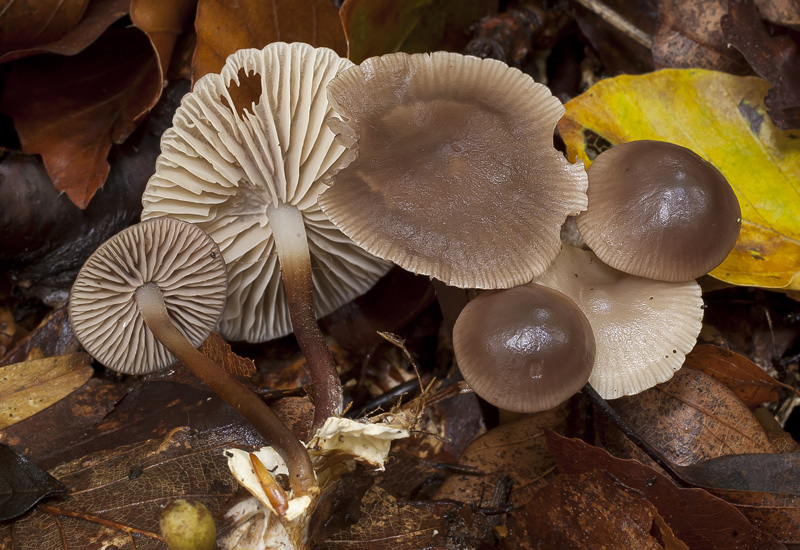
x,y
217,349
517,450
31,386
389,524
692,417
26,23
775,513
589,510
70,109
689,35
773,57
163,22
747,380
95,19
53,336
697,518
115,497
224,27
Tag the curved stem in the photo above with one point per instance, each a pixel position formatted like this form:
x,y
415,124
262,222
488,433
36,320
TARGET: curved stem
x,y
154,311
288,229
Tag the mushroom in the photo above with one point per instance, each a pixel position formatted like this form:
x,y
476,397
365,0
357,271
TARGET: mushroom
x,y
151,294
451,171
658,210
248,171
643,328
524,349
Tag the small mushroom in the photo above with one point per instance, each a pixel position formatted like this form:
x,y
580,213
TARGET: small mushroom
x,y
643,328
247,169
151,294
524,349
451,170
658,210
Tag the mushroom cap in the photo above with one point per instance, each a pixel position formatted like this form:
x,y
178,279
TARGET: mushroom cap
x,y
223,164
524,349
658,210
452,171
181,259
643,328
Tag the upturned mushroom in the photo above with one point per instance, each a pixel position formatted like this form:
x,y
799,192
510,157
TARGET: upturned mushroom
x,y
151,294
658,210
643,328
248,171
525,349
451,170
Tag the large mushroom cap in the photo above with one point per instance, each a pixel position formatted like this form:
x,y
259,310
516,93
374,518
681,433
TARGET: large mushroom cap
x,y
658,210
643,328
455,175
525,349
181,259
225,161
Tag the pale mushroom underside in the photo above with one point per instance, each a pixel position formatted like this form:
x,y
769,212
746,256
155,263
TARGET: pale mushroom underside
x,y
643,328
220,168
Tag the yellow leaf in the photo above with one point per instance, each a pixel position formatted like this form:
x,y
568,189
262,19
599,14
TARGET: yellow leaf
x,y
31,386
723,119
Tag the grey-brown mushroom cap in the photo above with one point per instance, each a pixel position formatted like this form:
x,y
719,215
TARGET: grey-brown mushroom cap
x,y
181,259
643,328
222,168
452,171
659,210
524,349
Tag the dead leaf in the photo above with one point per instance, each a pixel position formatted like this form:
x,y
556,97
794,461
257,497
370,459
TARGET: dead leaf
x,y
163,23
25,23
223,28
773,57
54,336
689,36
774,513
692,418
220,352
517,450
698,519
746,379
71,109
377,27
588,510
114,497
723,119
96,18
29,387
24,484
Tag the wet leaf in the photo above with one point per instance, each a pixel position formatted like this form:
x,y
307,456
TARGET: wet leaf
x,y
71,109
377,27
29,387
224,27
747,380
689,36
774,513
698,519
517,450
115,497
692,417
588,510
23,484
53,336
773,57
66,40
723,119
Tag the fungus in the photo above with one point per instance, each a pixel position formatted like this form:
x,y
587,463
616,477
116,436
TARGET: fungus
x,y
524,349
151,294
248,171
660,211
451,171
643,328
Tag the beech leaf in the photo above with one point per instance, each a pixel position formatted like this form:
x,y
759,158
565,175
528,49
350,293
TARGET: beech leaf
x,y
723,119
22,484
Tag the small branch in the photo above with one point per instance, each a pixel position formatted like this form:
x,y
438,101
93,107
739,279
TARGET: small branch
x,y
56,511
618,22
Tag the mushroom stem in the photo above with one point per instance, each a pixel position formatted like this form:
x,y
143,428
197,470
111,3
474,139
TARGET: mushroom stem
x,y
154,311
291,243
